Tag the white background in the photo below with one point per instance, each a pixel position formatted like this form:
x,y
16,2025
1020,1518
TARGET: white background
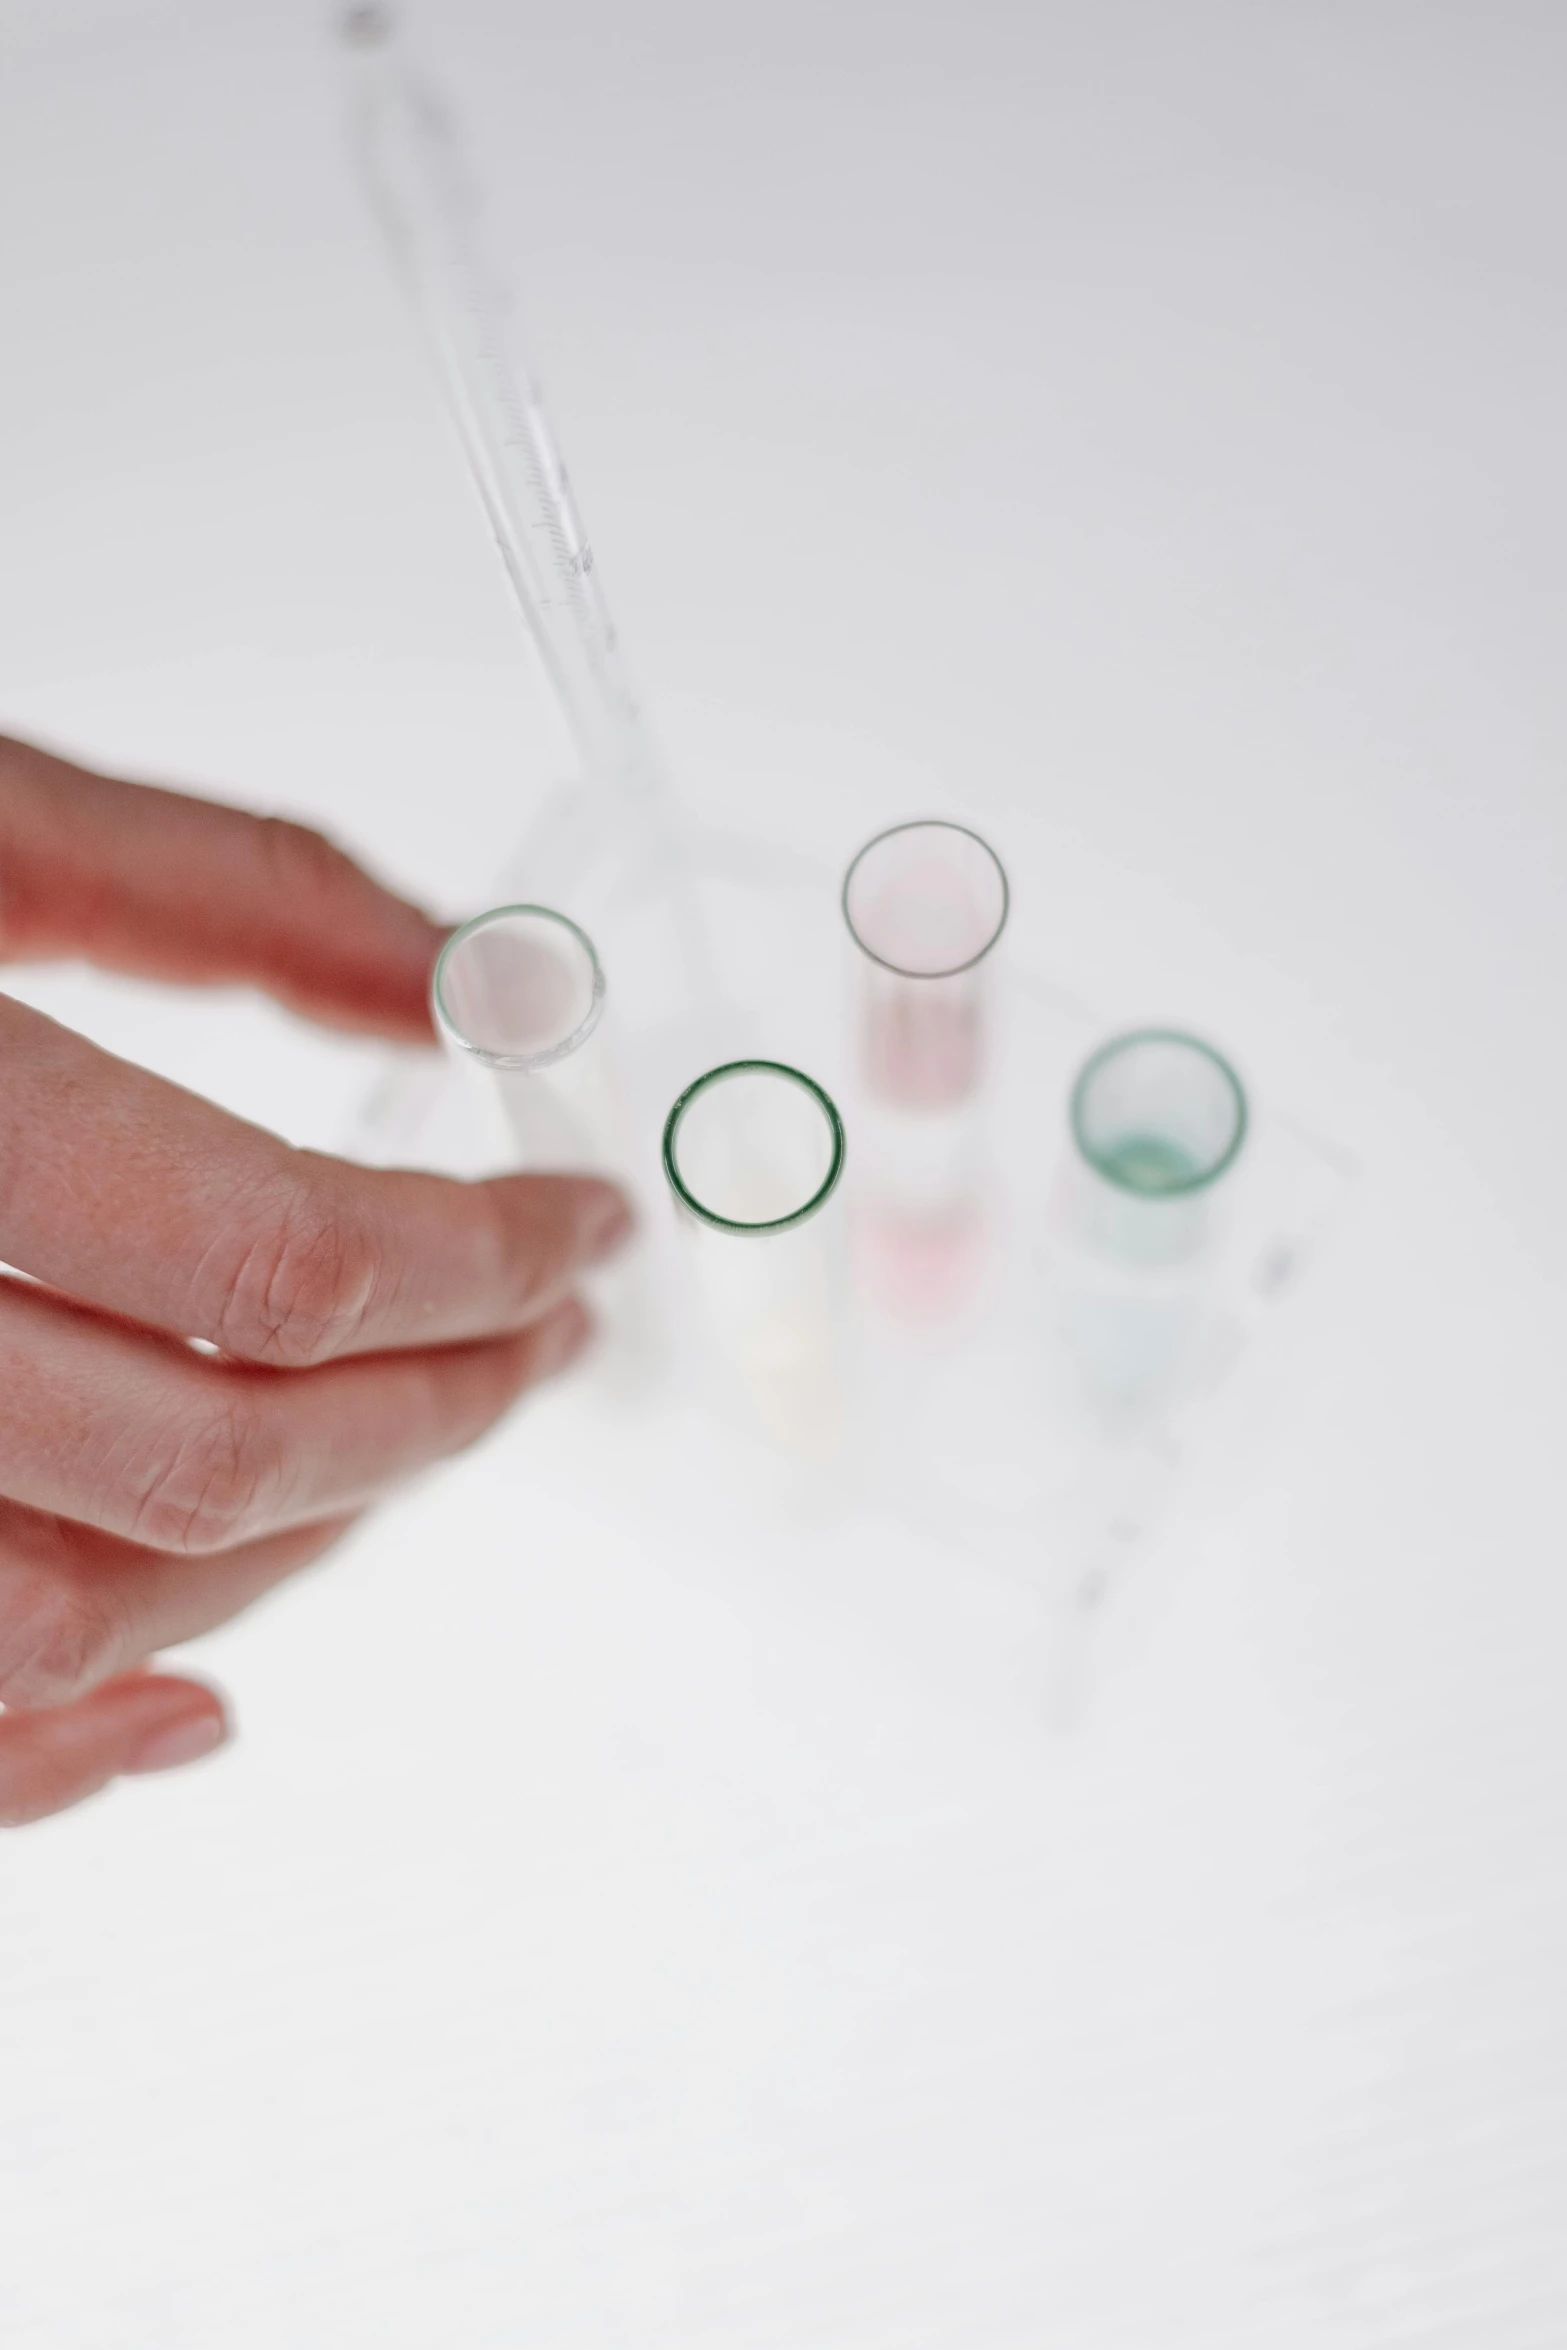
x,y
1136,428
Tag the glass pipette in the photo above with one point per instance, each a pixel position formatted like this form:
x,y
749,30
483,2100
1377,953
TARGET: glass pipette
x,y
429,213
609,846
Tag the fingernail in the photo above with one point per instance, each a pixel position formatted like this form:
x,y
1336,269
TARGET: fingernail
x,y
562,1338
606,1225
184,1741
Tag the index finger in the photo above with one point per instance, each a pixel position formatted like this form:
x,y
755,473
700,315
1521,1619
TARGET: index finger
x,y
137,1197
169,886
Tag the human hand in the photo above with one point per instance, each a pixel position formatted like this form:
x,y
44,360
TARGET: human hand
x,y
367,1322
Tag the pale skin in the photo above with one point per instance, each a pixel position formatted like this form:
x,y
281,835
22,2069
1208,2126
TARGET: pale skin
x,y
367,1322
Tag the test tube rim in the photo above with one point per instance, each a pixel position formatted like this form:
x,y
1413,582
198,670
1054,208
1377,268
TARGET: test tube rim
x,y
1114,1045
799,1215
521,1061
925,824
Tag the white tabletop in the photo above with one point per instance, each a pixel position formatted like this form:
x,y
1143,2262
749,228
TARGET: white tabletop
x,y
1136,429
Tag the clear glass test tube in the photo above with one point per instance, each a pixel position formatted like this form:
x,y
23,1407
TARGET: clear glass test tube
x,y
519,991
519,994
1158,1119
753,1152
925,903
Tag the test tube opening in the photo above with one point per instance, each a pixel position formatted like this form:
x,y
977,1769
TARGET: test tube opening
x,y
753,1147
926,900
1158,1114
519,987
924,903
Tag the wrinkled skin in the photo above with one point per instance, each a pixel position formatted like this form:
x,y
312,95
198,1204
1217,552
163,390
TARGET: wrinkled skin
x,y
365,1322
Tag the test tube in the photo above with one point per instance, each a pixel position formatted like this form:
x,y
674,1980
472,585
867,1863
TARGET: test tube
x,y
753,1152
925,903
519,994
519,991
1158,1119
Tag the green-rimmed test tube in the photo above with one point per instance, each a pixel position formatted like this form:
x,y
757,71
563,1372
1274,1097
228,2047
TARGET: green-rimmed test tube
x,y
1158,1119
753,1152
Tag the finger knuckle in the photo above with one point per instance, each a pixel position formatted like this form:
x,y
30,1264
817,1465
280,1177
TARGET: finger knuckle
x,y
302,1284
218,1480
56,1639
302,860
